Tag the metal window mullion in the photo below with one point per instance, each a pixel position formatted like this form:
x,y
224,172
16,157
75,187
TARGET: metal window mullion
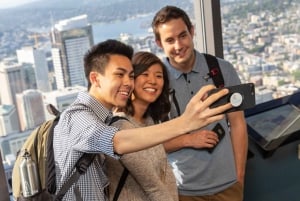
x,y
208,27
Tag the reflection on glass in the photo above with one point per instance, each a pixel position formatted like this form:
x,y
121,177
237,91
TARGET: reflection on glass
x,y
277,122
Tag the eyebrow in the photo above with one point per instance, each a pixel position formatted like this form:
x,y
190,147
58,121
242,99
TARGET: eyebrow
x,y
120,68
181,33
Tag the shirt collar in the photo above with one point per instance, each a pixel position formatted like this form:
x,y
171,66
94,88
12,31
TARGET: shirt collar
x,y
102,112
176,73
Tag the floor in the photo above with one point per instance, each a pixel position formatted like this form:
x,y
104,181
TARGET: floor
x,y
274,178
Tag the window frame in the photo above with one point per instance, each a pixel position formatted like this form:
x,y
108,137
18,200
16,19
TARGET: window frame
x,y
208,27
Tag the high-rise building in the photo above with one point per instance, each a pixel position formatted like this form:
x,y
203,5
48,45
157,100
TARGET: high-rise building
x,y
10,145
71,38
9,122
30,108
12,81
61,98
37,58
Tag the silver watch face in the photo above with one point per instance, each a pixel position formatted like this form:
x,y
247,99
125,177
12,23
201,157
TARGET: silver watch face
x,y
236,99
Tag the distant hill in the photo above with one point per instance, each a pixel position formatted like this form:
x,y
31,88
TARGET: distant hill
x,y
42,13
69,3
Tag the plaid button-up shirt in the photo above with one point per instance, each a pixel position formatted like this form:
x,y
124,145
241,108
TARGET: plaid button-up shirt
x,y
83,129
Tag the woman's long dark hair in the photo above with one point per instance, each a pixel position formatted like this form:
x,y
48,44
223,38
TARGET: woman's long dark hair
x,y
159,109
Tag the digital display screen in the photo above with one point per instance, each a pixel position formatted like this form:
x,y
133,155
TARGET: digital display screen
x,y
275,123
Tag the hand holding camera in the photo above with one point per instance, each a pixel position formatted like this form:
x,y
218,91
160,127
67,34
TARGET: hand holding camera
x,y
240,96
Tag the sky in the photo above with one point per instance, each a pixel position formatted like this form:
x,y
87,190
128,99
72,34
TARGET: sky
x,y
13,3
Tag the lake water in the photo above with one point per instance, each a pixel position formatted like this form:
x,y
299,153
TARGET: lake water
x,y
137,27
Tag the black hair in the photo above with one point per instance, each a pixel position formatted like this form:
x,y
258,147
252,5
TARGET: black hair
x,y
98,56
159,109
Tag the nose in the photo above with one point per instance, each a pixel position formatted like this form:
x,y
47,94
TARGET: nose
x,y
128,81
177,45
152,79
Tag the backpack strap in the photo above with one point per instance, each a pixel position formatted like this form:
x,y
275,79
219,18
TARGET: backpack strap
x,y
81,167
52,110
121,184
216,74
174,100
125,171
214,70
50,182
116,118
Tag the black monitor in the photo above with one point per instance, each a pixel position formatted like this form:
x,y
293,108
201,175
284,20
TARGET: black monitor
x,y
271,127
273,123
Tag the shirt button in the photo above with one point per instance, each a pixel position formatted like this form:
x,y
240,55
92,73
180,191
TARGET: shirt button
x,y
192,92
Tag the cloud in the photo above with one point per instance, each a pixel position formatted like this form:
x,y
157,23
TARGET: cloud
x,y
13,3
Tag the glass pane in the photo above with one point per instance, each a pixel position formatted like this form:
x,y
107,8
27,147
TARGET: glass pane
x,y
261,39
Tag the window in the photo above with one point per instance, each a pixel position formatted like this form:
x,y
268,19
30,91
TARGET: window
x,y
261,39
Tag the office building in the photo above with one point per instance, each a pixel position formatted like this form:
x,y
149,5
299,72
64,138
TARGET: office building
x,y
30,108
61,98
71,38
12,81
36,57
29,76
262,94
9,122
9,146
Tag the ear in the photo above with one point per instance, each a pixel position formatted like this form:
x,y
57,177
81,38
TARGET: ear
x,y
158,43
192,31
94,78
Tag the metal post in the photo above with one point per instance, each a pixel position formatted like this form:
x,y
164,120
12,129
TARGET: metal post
x,y
208,27
3,185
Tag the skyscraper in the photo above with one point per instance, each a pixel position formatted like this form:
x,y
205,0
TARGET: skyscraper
x,y
37,58
9,122
61,98
30,108
12,81
70,38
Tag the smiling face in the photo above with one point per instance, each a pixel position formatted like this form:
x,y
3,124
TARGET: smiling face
x,y
148,85
113,88
177,42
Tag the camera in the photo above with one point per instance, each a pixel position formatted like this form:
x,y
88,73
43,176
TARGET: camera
x,y
240,96
219,130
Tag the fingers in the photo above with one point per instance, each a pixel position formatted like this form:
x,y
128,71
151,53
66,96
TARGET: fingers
x,y
216,96
211,139
203,98
198,113
203,139
216,113
202,94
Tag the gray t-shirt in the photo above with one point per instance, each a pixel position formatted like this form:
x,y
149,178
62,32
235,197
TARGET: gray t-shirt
x,y
197,171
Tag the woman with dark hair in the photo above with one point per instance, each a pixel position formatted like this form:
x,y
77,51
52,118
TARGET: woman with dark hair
x,y
150,176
